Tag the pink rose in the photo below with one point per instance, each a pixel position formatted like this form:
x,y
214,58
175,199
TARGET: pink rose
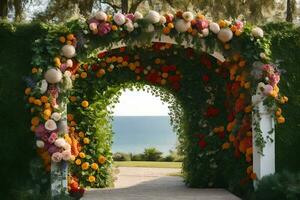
x,y
202,24
56,157
268,89
274,79
130,16
52,137
104,28
239,24
66,155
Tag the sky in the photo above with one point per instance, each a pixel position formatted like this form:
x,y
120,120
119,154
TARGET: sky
x,y
140,103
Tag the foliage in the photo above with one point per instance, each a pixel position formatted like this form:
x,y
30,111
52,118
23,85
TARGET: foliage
x,y
152,154
280,186
137,157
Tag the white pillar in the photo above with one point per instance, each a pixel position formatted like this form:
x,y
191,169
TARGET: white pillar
x,y
263,162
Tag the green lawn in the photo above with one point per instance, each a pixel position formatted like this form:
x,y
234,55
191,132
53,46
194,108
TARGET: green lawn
x,y
147,164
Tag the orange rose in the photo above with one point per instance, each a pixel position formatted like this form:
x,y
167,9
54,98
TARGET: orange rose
x,y
94,166
85,104
101,160
92,179
85,166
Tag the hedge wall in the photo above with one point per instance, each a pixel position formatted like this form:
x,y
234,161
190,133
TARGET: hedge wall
x,y
17,144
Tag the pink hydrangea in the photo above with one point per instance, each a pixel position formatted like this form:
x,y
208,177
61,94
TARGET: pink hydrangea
x,y
56,157
202,24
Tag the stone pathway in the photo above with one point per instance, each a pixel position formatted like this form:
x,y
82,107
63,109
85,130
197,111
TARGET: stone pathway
x,y
137,183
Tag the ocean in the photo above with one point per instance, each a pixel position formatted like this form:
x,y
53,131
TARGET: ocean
x,y
132,134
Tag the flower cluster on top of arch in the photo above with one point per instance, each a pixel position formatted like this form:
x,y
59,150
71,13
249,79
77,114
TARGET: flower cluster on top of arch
x,y
248,70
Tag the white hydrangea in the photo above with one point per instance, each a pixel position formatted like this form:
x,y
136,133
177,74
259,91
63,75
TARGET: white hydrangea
x,y
69,63
257,32
129,26
205,32
93,26
138,15
50,125
182,26
43,86
162,20
225,35
60,142
53,75
68,51
56,116
214,27
40,144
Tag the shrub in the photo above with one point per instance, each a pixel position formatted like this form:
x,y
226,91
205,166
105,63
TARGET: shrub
x,y
137,157
119,156
152,154
280,186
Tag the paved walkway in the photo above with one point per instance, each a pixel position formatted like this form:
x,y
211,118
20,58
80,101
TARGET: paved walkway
x,y
154,184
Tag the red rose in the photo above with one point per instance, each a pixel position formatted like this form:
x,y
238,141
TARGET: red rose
x,y
101,55
205,78
212,111
202,144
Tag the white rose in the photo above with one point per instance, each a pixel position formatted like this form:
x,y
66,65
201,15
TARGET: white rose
x,y
129,26
162,19
153,17
93,26
50,125
257,32
182,26
43,86
60,142
68,51
225,35
40,144
56,116
205,32
214,27
138,15
100,15
69,63
119,18
53,75
188,16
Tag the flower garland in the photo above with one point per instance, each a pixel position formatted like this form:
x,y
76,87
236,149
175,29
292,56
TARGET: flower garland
x,y
51,83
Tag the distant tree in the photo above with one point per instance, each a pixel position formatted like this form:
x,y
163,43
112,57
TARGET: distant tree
x,y
152,154
290,10
17,6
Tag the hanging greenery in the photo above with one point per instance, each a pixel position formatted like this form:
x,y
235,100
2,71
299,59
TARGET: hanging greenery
x,y
86,65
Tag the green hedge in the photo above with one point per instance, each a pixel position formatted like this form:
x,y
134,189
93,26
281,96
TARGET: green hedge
x,y
17,144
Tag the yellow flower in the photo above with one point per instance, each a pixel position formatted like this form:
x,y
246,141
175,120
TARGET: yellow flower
x,y
81,134
86,140
84,103
85,165
101,159
73,98
281,119
248,109
249,169
82,155
62,39
35,121
34,70
47,112
94,166
37,102
44,99
92,179
78,162
83,75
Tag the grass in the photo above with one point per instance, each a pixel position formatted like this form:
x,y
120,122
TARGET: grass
x,y
148,164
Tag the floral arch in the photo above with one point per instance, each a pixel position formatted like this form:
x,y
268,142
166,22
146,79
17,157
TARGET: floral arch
x,y
227,99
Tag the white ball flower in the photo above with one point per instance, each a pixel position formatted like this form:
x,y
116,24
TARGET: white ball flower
x,y
138,15
257,32
214,27
56,116
129,26
119,19
40,144
182,26
50,125
225,35
60,142
66,146
153,17
68,51
93,26
162,20
205,32
150,28
100,15
53,75
43,86
188,16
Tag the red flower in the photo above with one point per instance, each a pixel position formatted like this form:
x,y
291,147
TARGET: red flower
x,y
212,112
221,135
205,78
101,54
126,58
202,144
204,60
230,117
95,67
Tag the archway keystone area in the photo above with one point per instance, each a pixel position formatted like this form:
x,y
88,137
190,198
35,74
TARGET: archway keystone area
x,y
221,75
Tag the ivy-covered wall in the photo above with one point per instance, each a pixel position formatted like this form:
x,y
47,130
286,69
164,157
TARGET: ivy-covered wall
x,y
17,144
